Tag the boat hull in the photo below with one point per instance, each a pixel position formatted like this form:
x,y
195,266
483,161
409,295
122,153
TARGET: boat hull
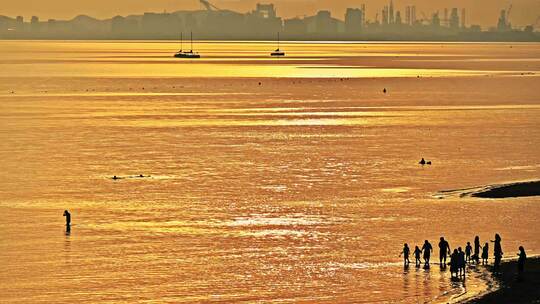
x,y
187,55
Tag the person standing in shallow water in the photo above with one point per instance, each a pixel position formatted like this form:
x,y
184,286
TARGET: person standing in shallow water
x,y
485,254
468,251
521,260
461,262
406,251
477,248
417,253
454,263
67,215
444,250
497,252
427,249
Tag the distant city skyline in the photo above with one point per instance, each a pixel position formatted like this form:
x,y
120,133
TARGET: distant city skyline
x,y
482,12
263,22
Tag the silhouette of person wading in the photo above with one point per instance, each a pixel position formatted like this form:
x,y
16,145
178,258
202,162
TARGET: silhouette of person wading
x,y
406,251
477,248
427,249
461,262
454,262
444,250
521,260
68,220
497,252
417,253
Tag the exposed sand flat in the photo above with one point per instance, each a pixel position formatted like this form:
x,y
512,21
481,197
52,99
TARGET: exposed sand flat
x,y
514,289
516,189
510,190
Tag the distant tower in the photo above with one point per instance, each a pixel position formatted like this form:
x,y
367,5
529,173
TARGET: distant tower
x,y
266,11
436,20
34,23
398,18
408,15
463,15
363,14
19,23
454,19
413,15
391,19
445,20
385,15
502,25
353,20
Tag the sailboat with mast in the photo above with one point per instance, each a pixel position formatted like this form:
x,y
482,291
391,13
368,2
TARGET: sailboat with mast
x,y
277,52
186,54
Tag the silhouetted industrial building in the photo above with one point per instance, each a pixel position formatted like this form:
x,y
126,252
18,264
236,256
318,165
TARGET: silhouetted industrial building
x,y
354,20
34,24
385,16
398,20
295,27
503,25
391,19
436,20
323,24
454,19
264,23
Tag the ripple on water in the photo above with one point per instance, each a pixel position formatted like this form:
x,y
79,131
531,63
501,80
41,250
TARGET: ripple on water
x,y
261,220
397,189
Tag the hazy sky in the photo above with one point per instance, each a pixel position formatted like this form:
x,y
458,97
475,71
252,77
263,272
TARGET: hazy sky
x,y
483,12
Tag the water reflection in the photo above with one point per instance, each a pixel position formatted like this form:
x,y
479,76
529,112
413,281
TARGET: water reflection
x,y
292,190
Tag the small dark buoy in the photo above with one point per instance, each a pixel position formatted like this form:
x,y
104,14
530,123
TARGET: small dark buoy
x,y
140,175
259,83
384,91
115,177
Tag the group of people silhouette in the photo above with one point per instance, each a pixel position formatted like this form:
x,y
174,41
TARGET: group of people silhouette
x,y
424,162
460,258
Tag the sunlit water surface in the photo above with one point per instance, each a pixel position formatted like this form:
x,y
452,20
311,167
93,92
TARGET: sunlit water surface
x,y
268,180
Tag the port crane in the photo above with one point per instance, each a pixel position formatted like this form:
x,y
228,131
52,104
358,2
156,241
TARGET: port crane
x,y
209,6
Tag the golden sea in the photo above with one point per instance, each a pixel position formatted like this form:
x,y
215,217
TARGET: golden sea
x,y
268,180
